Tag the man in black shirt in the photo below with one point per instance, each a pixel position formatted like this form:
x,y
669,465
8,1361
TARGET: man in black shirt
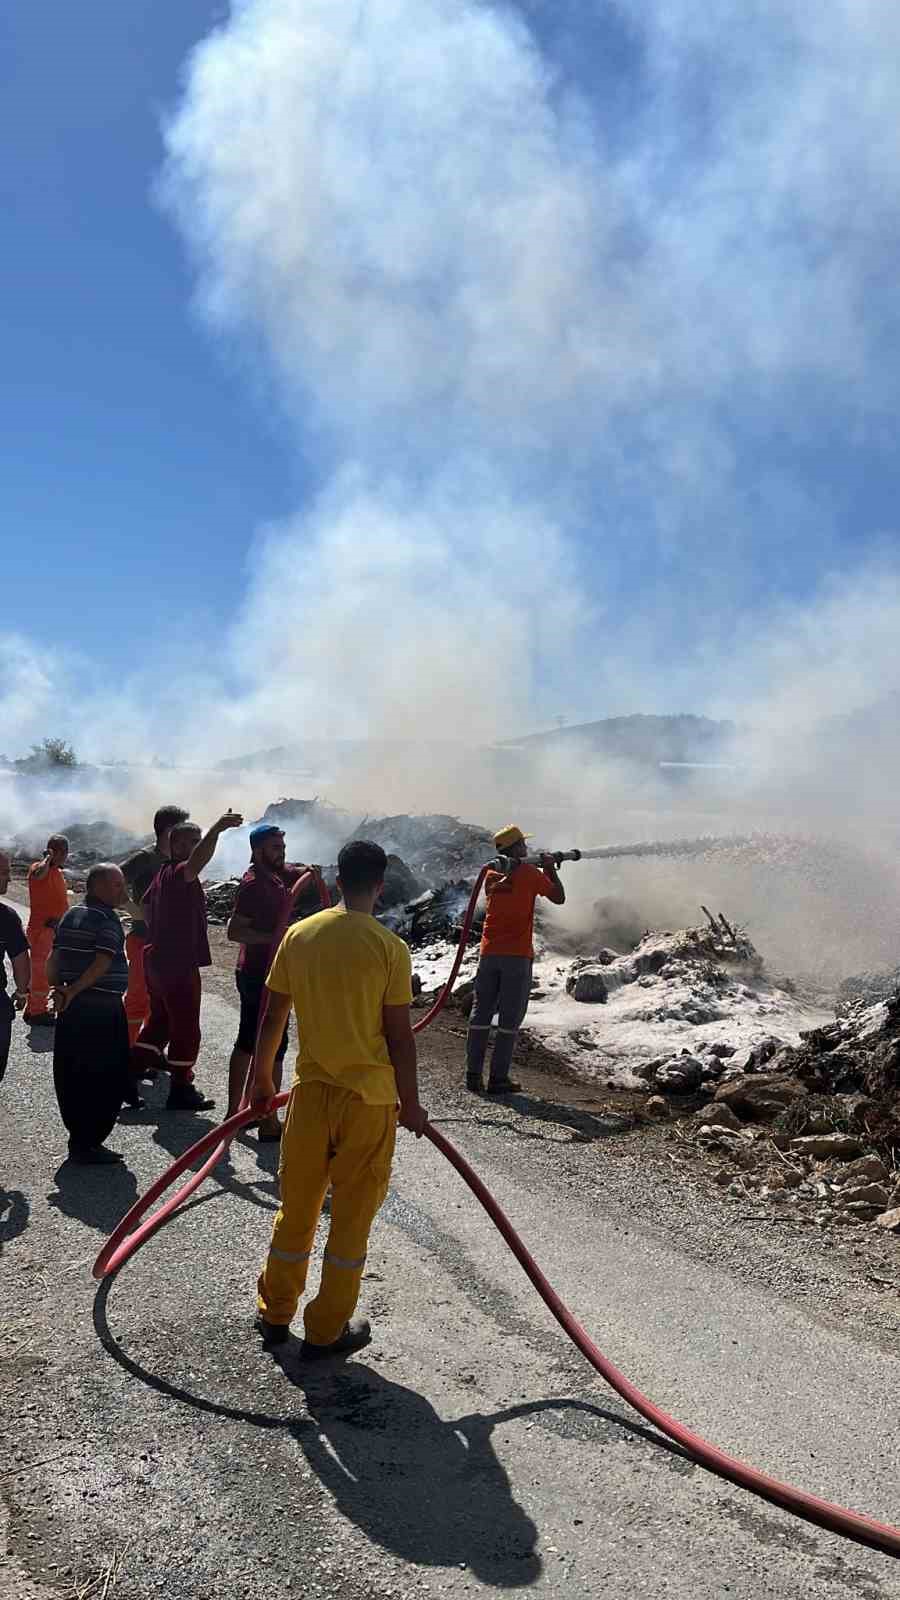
x,y
90,1051
13,944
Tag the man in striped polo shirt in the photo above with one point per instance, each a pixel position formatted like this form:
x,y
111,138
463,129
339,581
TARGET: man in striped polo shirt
x,y
89,973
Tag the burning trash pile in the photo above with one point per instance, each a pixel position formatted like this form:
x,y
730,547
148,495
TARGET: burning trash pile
x,y
438,915
220,899
432,864
319,827
436,848
434,860
89,842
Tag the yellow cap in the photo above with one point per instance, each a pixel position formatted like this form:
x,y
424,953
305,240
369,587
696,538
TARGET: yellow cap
x,y
510,835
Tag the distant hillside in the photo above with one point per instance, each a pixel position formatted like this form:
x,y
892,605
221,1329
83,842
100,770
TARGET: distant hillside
x,y
645,740
312,758
640,738
283,758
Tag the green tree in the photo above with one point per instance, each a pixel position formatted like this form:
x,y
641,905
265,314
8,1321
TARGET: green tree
x,y
49,753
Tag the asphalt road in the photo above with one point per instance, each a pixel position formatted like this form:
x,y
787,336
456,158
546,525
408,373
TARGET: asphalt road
x,y
150,1447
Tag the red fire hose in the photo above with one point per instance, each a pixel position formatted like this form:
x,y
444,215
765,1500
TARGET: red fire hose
x,y
128,1236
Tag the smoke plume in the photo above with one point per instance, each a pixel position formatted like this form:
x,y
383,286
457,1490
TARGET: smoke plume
x,y
580,326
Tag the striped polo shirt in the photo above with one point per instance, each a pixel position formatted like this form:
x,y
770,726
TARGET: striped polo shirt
x,y
87,931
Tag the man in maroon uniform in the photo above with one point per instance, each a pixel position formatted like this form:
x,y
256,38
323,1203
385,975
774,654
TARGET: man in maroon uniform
x,y
258,911
177,947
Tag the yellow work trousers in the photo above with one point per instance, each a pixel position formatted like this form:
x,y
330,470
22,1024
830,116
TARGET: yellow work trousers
x,y
330,1136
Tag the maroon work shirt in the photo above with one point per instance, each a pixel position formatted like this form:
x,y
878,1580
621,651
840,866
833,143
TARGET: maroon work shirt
x,y
262,898
175,907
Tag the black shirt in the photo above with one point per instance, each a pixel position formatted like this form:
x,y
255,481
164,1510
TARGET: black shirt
x,y
140,870
12,939
86,931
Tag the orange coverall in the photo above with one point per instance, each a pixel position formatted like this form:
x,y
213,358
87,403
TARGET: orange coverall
x,y
48,901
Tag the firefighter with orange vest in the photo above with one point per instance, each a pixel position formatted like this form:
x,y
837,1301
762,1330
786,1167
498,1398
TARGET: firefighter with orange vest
x,y
503,979
48,900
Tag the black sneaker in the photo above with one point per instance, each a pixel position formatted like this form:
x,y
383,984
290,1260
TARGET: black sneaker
x,y
93,1155
272,1332
504,1086
185,1097
474,1083
356,1334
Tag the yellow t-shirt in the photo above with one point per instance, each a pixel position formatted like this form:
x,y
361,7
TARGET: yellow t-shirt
x,y
340,968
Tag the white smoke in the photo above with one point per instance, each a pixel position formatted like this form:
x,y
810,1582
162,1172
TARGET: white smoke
x,y
526,340
391,196
540,347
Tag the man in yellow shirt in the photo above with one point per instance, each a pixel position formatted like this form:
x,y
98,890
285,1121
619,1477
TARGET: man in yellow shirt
x,y
350,982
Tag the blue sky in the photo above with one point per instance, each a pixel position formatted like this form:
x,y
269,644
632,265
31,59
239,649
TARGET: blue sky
x,y
136,459
544,356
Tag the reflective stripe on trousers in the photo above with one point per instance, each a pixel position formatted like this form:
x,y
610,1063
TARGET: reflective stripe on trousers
x,y
502,986
330,1136
40,944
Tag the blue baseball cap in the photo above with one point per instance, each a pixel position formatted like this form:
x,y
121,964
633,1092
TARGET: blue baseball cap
x,y
263,830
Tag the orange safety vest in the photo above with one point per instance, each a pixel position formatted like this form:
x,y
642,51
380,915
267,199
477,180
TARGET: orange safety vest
x,y
47,896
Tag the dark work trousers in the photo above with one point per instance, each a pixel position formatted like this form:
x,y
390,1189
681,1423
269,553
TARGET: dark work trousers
x,y
7,1012
502,989
91,1072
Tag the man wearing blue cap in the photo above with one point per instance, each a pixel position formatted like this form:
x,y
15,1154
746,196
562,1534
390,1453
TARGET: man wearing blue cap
x,y
258,910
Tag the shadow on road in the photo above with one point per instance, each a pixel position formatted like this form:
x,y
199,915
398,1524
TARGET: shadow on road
x,y
14,1215
287,1357
97,1196
430,1491
584,1126
262,1192
176,1131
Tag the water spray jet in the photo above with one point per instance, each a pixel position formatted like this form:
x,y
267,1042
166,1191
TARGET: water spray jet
x,y
613,852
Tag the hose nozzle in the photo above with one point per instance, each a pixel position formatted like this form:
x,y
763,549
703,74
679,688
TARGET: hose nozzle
x,y
536,858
